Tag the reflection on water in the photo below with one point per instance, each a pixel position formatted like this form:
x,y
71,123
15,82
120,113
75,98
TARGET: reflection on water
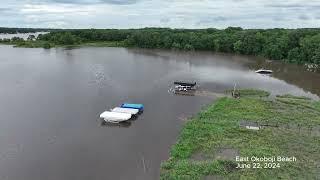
x,y
219,72
124,124
50,101
294,74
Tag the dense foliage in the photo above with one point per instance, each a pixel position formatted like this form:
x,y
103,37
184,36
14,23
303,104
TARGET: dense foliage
x,y
71,37
292,45
22,30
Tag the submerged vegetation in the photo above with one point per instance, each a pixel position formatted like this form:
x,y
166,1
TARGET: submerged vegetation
x,y
292,45
209,143
251,93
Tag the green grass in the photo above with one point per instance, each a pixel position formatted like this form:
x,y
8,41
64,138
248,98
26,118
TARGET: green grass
x,y
6,43
97,44
33,44
29,44
317,105
289,96
217,127
105,44
251,92
41,44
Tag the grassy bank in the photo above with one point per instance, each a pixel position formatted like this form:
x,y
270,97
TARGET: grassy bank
x,y
45,44
209,143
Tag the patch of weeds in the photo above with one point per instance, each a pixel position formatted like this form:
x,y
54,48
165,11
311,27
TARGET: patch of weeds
x,y
293,97
217,128
251,93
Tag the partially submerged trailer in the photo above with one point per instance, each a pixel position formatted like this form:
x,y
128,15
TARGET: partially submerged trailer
x,y
185,92
125,110
115,117
184,83
140,107
185,88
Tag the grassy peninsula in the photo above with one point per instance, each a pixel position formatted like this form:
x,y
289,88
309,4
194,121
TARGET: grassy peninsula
x,y
210,142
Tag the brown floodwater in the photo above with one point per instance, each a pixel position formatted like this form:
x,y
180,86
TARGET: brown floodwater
x,y
50,101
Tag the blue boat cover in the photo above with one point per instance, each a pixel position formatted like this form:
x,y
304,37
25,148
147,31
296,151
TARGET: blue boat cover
x,y
133,106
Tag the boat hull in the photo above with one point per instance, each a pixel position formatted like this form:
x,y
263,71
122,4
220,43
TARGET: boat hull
x,y
115,117
264,71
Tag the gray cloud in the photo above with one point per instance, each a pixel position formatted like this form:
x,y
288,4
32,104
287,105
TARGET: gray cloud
x,y
165,20
120,2
210,20
160,13
5,9
72,1
5,12
304,17
116,2
295,5
285,5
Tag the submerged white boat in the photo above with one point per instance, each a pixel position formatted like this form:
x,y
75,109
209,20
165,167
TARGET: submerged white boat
x,y
264,71
125,110
115,117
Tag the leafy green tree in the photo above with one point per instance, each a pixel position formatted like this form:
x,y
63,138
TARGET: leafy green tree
x,y
31,37
5,40
176,45
273,52
224,43
233,29
294,55
238,47
188,47
309,46
46,45
316,57
17,39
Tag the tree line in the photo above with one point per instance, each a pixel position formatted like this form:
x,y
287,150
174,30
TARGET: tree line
x,y
7,30
291,45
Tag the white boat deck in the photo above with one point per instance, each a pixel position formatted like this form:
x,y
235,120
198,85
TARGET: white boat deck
x,y
125,110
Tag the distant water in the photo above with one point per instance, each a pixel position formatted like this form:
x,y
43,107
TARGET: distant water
x,y
21,35
50,101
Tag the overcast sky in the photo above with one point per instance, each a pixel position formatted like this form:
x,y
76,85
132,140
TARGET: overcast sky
x,y
159,13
